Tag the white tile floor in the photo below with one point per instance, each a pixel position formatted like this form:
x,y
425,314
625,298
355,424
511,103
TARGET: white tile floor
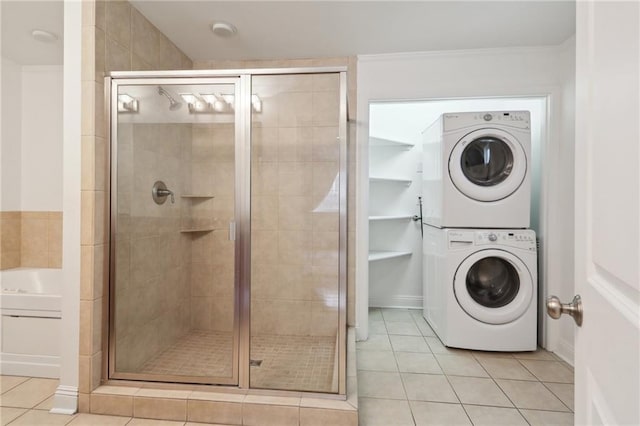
x,y
26,402
407,377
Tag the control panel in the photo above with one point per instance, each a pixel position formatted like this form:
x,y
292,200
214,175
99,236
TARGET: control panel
x,y
524,239
518,119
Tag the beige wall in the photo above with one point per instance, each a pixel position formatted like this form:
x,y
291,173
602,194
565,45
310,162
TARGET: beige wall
x,y
30,239
115,37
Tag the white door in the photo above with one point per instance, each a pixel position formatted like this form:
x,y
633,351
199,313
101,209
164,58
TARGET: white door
x,y
607,382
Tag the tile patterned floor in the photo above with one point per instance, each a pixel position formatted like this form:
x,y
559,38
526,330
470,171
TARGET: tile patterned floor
x,y
302,363
26,402
407,377
199,353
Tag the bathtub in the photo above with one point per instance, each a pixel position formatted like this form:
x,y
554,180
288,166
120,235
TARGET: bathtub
x,y
30,322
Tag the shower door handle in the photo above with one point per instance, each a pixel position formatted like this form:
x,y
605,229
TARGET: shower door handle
x,y
232,231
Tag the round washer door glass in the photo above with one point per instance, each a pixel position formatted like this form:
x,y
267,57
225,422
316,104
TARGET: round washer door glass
x,y
493,282
487,161
487,165
493,286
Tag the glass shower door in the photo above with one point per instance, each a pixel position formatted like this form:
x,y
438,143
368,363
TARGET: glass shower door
x,y
295,232
174,295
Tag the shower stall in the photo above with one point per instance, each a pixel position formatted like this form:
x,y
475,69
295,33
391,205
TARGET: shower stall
x,y
228,228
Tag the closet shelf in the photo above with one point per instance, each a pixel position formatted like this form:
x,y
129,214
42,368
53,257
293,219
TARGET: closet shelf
x,y
196,196
388,179
397,217
381,255
375,141
195,230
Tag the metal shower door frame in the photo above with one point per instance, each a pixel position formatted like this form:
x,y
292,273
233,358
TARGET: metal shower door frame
x,y
242,79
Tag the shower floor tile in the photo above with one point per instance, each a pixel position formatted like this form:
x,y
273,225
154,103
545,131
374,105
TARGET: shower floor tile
x,y
302,363
199,353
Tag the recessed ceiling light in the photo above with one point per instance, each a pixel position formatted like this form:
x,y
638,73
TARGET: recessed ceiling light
x,y
44,36
223,29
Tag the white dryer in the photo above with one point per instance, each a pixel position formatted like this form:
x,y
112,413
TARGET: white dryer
x,y
477,170
481,288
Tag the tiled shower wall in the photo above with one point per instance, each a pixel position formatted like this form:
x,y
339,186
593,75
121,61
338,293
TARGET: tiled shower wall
x,y
351,64
153,256
30,239
115,37
212,185
295,206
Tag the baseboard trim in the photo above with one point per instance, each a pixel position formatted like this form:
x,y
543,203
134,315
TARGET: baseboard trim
x,y
30,365
566,351
400,301
65,400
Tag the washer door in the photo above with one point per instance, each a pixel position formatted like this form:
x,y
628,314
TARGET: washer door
x,y
487,165
493,286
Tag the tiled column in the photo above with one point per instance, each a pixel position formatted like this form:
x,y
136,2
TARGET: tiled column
x,y
115,36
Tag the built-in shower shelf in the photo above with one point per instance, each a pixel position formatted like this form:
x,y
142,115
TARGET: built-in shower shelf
x,y
382,255
195,230
390,179
374,141
196,196
397,217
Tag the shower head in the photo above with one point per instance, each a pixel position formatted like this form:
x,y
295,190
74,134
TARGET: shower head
x,y
173,104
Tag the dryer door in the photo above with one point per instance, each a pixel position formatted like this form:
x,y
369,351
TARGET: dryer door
x,y
488,165
493,286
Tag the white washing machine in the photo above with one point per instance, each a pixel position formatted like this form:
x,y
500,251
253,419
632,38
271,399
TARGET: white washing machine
x,y
481,287
477,170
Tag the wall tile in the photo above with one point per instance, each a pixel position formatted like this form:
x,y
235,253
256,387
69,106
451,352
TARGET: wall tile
x,y
100,11
89,13
86,273
118,57
87,155
10,239
84,383
114,405
89,51
102,164
320,417
88,114
139,64
54,241
269,415
118,22
144,38
86,337
34,251
160,408
84,402
96,370
169,56
214,412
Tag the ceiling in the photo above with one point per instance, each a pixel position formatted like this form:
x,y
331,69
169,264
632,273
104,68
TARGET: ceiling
x,y
308,29
19,18
305,29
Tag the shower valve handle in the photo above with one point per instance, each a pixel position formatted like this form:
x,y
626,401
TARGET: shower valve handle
x,y
160,192
166,192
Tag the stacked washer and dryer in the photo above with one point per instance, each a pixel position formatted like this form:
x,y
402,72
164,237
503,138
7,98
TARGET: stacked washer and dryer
x,y
480,258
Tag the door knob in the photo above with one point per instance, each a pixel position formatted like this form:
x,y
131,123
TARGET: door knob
x,y
555,308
